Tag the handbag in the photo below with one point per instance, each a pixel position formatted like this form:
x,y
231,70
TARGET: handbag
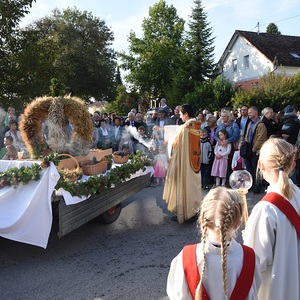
x,y
246,150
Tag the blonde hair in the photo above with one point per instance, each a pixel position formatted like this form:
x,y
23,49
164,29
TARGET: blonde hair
x,y
227,113
221,210
277,155
266,110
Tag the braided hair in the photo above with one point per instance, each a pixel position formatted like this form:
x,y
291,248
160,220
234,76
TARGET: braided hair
x,y
221,211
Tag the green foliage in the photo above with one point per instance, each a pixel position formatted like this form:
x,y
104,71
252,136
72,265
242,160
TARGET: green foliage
x,y
274,91
124,101
55,87
198,59
15,176
213,94
272,28
95,184
71,46
151,59
11,12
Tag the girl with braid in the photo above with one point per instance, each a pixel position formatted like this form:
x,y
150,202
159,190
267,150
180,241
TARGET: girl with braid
x,y
218,267
273,228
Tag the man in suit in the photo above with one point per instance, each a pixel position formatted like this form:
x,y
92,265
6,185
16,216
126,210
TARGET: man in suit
x,y
131,121
175,119
116,133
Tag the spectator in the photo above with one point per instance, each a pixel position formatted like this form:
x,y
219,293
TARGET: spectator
x,y
116,134
11,115
160,165
220,165
97,118
15,134
158,129
256,133
207,155
238,163
175,119
139,119
131,121
290,124
165,107
11,153
243,120
272,127
104,141
8,140
211,128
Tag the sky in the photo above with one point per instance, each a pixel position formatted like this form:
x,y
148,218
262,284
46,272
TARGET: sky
x,y
224,16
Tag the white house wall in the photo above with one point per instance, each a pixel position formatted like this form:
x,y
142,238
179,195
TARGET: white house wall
x,y
258,63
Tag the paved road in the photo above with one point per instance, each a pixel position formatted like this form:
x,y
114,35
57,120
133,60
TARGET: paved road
x,y
126,260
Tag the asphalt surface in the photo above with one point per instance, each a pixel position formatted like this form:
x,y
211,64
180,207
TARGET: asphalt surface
x,y
128,259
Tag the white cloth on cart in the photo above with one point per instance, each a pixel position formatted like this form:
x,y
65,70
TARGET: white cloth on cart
x,y
69,200
25,211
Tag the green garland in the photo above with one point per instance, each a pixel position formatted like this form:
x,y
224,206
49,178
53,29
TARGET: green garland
x,y
94,184
14,176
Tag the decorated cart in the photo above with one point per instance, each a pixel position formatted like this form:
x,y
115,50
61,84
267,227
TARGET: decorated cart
x,y
33,190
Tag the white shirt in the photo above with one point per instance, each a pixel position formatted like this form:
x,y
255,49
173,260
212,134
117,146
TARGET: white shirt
x,y
275,240
177,288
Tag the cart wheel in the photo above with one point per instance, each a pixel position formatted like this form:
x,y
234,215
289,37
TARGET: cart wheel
x,y
111,215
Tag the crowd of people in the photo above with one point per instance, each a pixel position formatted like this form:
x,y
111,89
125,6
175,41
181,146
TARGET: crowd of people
x,y
206,148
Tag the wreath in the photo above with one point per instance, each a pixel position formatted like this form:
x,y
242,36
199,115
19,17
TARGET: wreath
x,y
53,114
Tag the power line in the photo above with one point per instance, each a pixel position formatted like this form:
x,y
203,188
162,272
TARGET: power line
x,y
276,21
258,25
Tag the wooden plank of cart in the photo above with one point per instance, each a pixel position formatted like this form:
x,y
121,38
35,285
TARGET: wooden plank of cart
x,y
106,206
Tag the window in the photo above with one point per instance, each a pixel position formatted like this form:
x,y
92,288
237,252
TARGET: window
x,y
234,65
246,62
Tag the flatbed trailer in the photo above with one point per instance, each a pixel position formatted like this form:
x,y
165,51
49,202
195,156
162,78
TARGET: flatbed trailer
x,y
106,206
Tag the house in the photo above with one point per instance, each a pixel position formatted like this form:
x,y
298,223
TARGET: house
x,y
250,55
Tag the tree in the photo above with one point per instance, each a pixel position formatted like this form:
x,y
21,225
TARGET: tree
x,y
11,13
153,57
272,29
74,48
198,66
213,94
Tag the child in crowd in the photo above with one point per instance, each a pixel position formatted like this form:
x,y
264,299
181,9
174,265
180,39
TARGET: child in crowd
x,y
220,164
207,156
160,165
142,142
11,153
215,268
8,140
238,162
270,229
